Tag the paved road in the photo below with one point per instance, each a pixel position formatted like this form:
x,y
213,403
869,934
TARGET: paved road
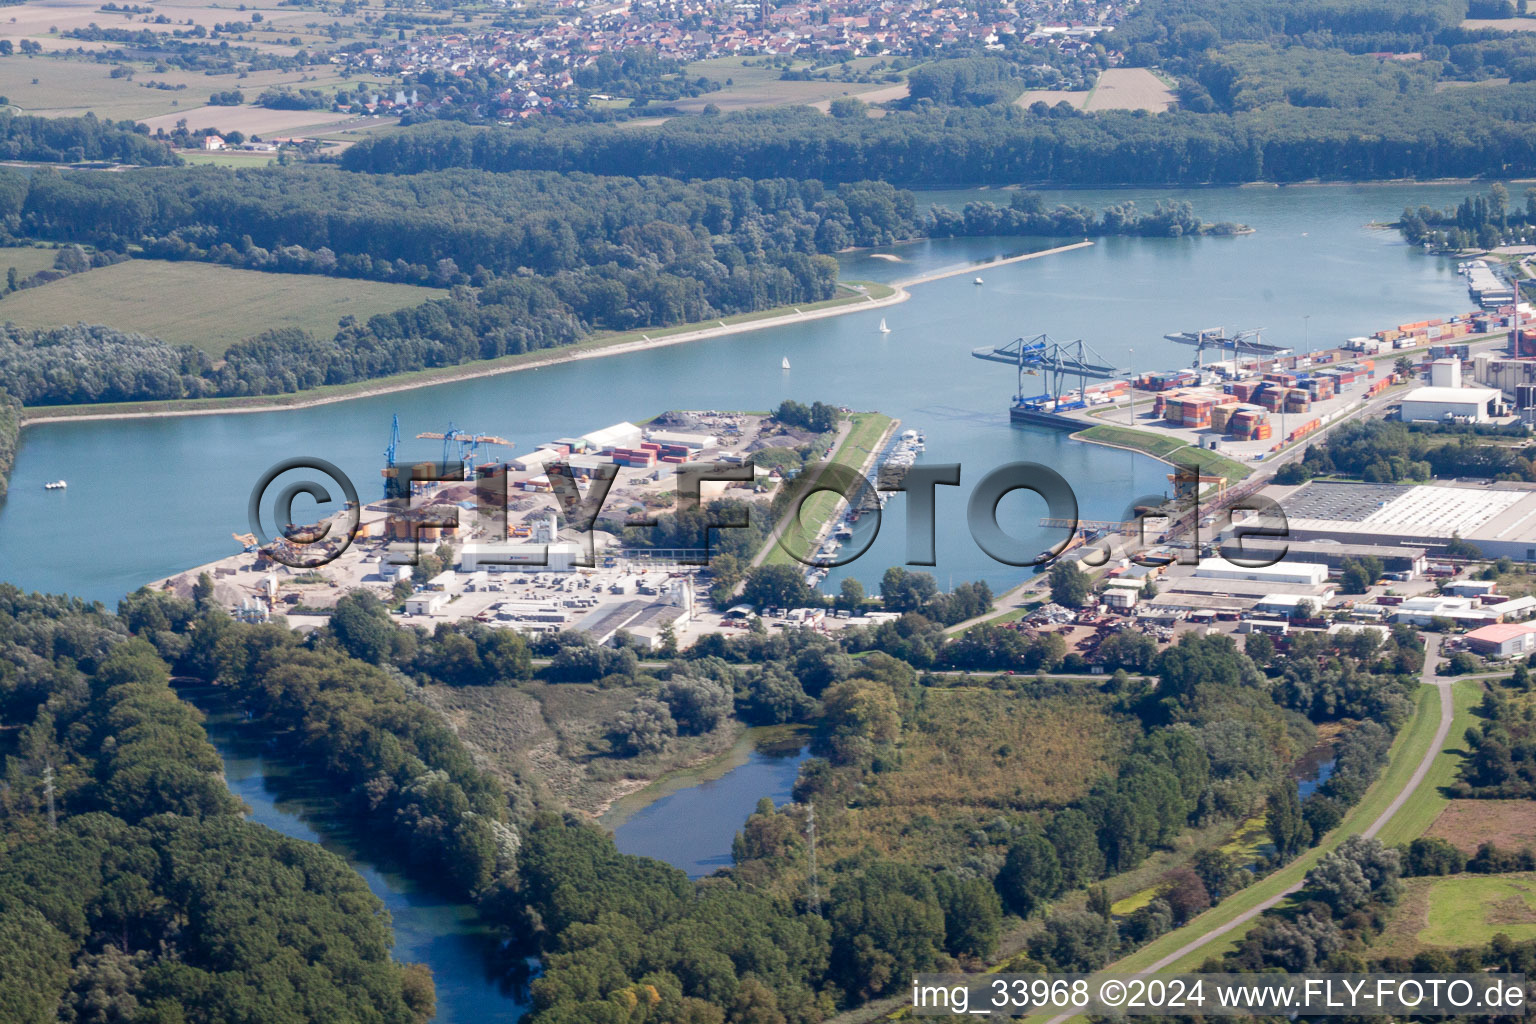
x,y
1442,732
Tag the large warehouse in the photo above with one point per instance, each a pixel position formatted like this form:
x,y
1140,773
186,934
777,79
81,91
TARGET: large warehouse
x,y
1435,404
1500,519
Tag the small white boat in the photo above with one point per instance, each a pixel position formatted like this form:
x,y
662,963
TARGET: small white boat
x,y
785,364
978,280
884,329
56,485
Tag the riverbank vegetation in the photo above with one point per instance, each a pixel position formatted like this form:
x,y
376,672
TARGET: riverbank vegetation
x,y
10,434
127,863
1478,222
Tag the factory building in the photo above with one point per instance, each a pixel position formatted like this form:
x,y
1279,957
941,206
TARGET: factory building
x,y
1302,574
1500,520
1407,561
1505,640
1438,404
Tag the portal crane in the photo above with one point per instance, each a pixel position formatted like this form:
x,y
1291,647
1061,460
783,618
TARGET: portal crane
x,y
468,443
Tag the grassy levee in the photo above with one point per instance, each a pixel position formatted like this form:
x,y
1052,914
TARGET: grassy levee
x,y
1155,445
800,537
1168,449
1415,817
1406,753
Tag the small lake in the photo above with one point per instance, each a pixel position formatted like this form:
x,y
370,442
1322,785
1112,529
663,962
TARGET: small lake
x,y
428,927
689,819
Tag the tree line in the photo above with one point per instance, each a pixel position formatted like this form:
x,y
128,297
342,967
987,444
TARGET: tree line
x,y
1455,133
78,139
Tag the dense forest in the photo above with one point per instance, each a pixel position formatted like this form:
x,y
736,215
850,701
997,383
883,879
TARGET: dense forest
x,y
1456,133
131,887
78,139
533,261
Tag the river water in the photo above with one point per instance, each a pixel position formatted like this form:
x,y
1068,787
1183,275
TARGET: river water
x,y
150,497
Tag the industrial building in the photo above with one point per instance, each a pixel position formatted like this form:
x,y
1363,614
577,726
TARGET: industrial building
x,y
1457,404
1304,574
1407,561
1500,519
1505,640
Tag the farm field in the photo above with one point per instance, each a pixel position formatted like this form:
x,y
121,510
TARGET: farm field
x,y
204,305
249,119
1118,89
1130,89
1510,824
66,87
1051,97
756,86
1500,24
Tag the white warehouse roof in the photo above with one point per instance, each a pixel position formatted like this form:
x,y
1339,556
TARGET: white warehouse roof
x,y
1452,396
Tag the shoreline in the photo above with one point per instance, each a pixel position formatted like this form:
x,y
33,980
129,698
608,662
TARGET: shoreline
x,y
274,403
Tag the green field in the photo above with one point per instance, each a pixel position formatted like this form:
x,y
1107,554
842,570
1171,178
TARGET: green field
x,y
205,305
1467,910
1161,447
27,259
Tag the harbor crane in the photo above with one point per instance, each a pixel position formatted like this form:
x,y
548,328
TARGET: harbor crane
x,y
391,479
468,443
1055,361
1242,344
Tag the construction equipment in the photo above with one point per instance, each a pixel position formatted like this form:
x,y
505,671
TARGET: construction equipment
x,y
247,541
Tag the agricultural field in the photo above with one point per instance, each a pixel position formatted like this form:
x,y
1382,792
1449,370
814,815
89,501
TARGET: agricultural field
x,y
557,734
752,85
1459,910
973,754
1130,89
1117,89
205,305
251,120
1500,24
69,87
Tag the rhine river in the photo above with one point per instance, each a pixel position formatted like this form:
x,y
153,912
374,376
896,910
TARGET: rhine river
x,y
151,497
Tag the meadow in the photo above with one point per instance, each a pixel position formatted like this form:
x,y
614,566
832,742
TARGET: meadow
x,y
203,304
1456,911
27,259
972,755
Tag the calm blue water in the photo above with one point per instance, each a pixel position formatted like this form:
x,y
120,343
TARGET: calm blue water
x,y
712,811
428,928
